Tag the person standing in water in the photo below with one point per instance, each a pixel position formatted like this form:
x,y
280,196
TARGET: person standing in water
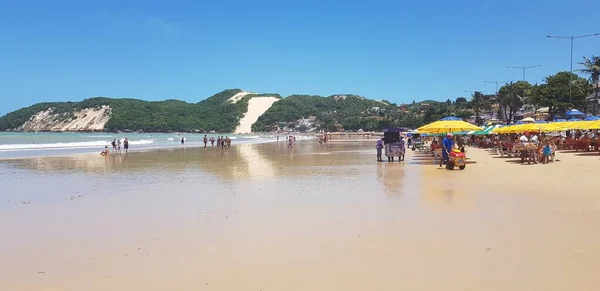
x,y
182,140
114,144
379,147
212,141
126,145
205,140
119,145
218,142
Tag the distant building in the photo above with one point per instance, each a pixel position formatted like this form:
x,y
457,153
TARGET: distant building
x,y
590,100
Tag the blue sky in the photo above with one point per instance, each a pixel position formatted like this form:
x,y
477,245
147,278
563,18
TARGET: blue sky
x,y
189,50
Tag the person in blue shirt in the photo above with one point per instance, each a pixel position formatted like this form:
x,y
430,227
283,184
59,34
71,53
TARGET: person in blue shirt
x,y
379,147
447,145
546,152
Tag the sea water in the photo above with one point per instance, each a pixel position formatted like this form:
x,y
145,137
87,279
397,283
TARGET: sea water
x,y
27,144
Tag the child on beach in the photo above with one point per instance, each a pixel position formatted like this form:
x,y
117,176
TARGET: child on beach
x,y
546,153
105,152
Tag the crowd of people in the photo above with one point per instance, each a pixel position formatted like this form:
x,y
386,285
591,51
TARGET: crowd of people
x,y
529,146
222,142
116,146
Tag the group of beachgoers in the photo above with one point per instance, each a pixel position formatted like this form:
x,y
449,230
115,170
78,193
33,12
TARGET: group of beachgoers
x,y
222,142
529,145
116,146
323,139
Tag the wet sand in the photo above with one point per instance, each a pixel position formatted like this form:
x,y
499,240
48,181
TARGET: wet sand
x,y
262,217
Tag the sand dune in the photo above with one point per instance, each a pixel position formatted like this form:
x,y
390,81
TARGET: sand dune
x,y
256,107
85,119
237,97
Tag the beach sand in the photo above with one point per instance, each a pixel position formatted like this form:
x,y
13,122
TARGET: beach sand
x,y
262,217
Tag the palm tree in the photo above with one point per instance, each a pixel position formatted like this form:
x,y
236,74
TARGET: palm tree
x,y
592,68
477,103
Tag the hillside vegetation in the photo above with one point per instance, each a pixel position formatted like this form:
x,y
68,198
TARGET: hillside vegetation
x,y
214,113
333,113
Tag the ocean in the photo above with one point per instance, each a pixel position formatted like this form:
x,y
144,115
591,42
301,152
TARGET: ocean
x,y
26,144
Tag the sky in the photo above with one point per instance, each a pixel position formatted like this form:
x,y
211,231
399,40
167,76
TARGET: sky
x,y
189,50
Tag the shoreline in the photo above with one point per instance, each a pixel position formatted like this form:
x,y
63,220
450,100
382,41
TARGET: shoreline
x,y
147,149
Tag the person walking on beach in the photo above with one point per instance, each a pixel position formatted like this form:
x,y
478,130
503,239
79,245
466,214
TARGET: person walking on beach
x,y
228,142
379,147
126,145
205,140
182,140
290,142
119,145
212,141
447,145
402,148
114,144
219,142
222,142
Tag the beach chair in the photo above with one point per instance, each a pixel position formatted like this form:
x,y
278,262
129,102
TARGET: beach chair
x,y
507,149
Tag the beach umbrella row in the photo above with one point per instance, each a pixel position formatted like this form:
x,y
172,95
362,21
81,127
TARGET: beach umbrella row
x,y
549,127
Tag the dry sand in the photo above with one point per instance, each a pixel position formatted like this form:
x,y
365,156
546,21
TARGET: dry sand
x,y
262,217
257,106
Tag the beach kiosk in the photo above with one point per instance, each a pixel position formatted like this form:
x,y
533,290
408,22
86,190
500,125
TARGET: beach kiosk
x,y
392,145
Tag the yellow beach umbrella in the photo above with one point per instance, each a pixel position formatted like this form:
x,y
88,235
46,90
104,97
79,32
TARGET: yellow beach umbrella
x,y
527,127
504,129
585,125
557,126
443,126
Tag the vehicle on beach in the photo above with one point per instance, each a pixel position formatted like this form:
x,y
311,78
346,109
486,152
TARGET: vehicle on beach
x,y
393,144
456,158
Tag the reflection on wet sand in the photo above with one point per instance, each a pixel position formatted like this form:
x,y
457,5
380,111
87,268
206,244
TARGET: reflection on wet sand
x,y
248,161
309,218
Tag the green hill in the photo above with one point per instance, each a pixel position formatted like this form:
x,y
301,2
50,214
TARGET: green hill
x,y
301,112
214,113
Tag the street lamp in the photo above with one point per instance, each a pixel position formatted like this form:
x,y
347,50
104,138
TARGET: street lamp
x,y
524,68
496,82
572,38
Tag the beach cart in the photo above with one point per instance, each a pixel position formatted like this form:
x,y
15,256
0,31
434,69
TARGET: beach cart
x,y
456,158
392,145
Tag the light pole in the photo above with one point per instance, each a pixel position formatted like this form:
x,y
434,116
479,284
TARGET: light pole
x,y
524,68
572,38
496,82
